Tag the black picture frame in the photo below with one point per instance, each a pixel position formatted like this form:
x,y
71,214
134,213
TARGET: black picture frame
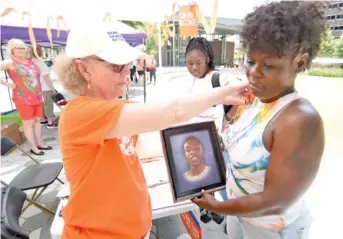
x,y
174,175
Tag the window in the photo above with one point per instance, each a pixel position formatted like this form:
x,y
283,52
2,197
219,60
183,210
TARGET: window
x,y
340,28
339,16
341,5
328,17
331,28
336,28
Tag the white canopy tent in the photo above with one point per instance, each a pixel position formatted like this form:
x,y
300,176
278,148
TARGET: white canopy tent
x,y
69,13
74,11
65,14
14,21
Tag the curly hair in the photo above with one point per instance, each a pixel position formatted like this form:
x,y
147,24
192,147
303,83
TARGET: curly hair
x,y
68,75
286,27
202,45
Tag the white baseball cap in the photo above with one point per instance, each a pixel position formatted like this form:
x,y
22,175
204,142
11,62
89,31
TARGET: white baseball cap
x,y
100,40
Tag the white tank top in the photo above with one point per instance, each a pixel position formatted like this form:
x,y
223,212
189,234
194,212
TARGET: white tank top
x,y
249,159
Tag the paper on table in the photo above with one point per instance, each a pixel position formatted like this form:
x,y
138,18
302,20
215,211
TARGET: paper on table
x,y
162,197
64,191
155,172
149,145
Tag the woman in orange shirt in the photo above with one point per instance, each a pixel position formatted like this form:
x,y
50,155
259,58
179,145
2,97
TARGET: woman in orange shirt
x,y
109,197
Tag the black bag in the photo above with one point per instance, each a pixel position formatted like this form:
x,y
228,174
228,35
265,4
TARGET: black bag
x,y
216,83
57,97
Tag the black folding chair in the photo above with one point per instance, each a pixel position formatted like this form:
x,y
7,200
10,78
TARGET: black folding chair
x,y
8,145
12,201
38,176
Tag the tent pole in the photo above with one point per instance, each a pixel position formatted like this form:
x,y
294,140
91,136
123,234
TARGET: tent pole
x,y
144,67
144,81
6,76
173,51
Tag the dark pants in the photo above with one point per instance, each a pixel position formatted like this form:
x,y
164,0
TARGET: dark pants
x,y
152,74
132,72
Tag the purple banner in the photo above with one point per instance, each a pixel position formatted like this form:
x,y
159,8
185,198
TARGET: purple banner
x,y
9,32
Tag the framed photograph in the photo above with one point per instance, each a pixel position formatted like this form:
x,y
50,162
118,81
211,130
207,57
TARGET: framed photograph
x,y
194,159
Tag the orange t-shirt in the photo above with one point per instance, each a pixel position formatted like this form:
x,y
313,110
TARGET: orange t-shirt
x,y
108,193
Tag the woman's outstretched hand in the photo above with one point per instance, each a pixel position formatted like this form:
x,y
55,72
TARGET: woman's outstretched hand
x,y
237,94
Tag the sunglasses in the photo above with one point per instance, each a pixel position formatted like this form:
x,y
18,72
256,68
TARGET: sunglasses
x,y
116,68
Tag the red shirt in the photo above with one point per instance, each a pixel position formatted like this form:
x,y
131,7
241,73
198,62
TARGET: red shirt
x,y
27,80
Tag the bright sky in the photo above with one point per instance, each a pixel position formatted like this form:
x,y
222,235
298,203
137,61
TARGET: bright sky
x,y
229,8
119,9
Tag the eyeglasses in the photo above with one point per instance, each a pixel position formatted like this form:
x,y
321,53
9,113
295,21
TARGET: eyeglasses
x,y
116,68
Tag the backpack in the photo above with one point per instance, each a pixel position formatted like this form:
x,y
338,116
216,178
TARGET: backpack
x,y
216,83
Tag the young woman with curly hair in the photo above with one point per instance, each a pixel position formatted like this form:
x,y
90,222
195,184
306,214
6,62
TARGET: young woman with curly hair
x,y
276,144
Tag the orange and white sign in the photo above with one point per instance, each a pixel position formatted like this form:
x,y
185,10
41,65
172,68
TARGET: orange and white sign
x,y
188,20
192,225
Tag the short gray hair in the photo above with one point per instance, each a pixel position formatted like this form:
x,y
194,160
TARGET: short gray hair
x,y
69,76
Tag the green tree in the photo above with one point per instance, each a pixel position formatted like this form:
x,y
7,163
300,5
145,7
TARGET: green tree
x,y
135,24
152,44
339,47
152,34
327,46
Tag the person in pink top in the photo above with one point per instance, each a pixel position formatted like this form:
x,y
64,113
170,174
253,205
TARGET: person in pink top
x,y
27,92
152,68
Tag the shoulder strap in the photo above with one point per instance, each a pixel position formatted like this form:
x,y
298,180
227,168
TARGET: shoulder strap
x,y
30,61
216,83
215,79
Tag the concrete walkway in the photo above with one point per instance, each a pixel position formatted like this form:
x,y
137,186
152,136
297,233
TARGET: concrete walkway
x,y
324,197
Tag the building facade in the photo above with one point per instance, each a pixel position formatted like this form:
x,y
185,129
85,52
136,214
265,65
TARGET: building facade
x,y
334,18
173,54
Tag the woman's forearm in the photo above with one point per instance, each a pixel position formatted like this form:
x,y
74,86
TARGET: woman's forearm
x,y
254,205
4,66
185,108
160,116
8,84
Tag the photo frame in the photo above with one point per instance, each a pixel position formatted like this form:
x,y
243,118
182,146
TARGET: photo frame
x,y
194,159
